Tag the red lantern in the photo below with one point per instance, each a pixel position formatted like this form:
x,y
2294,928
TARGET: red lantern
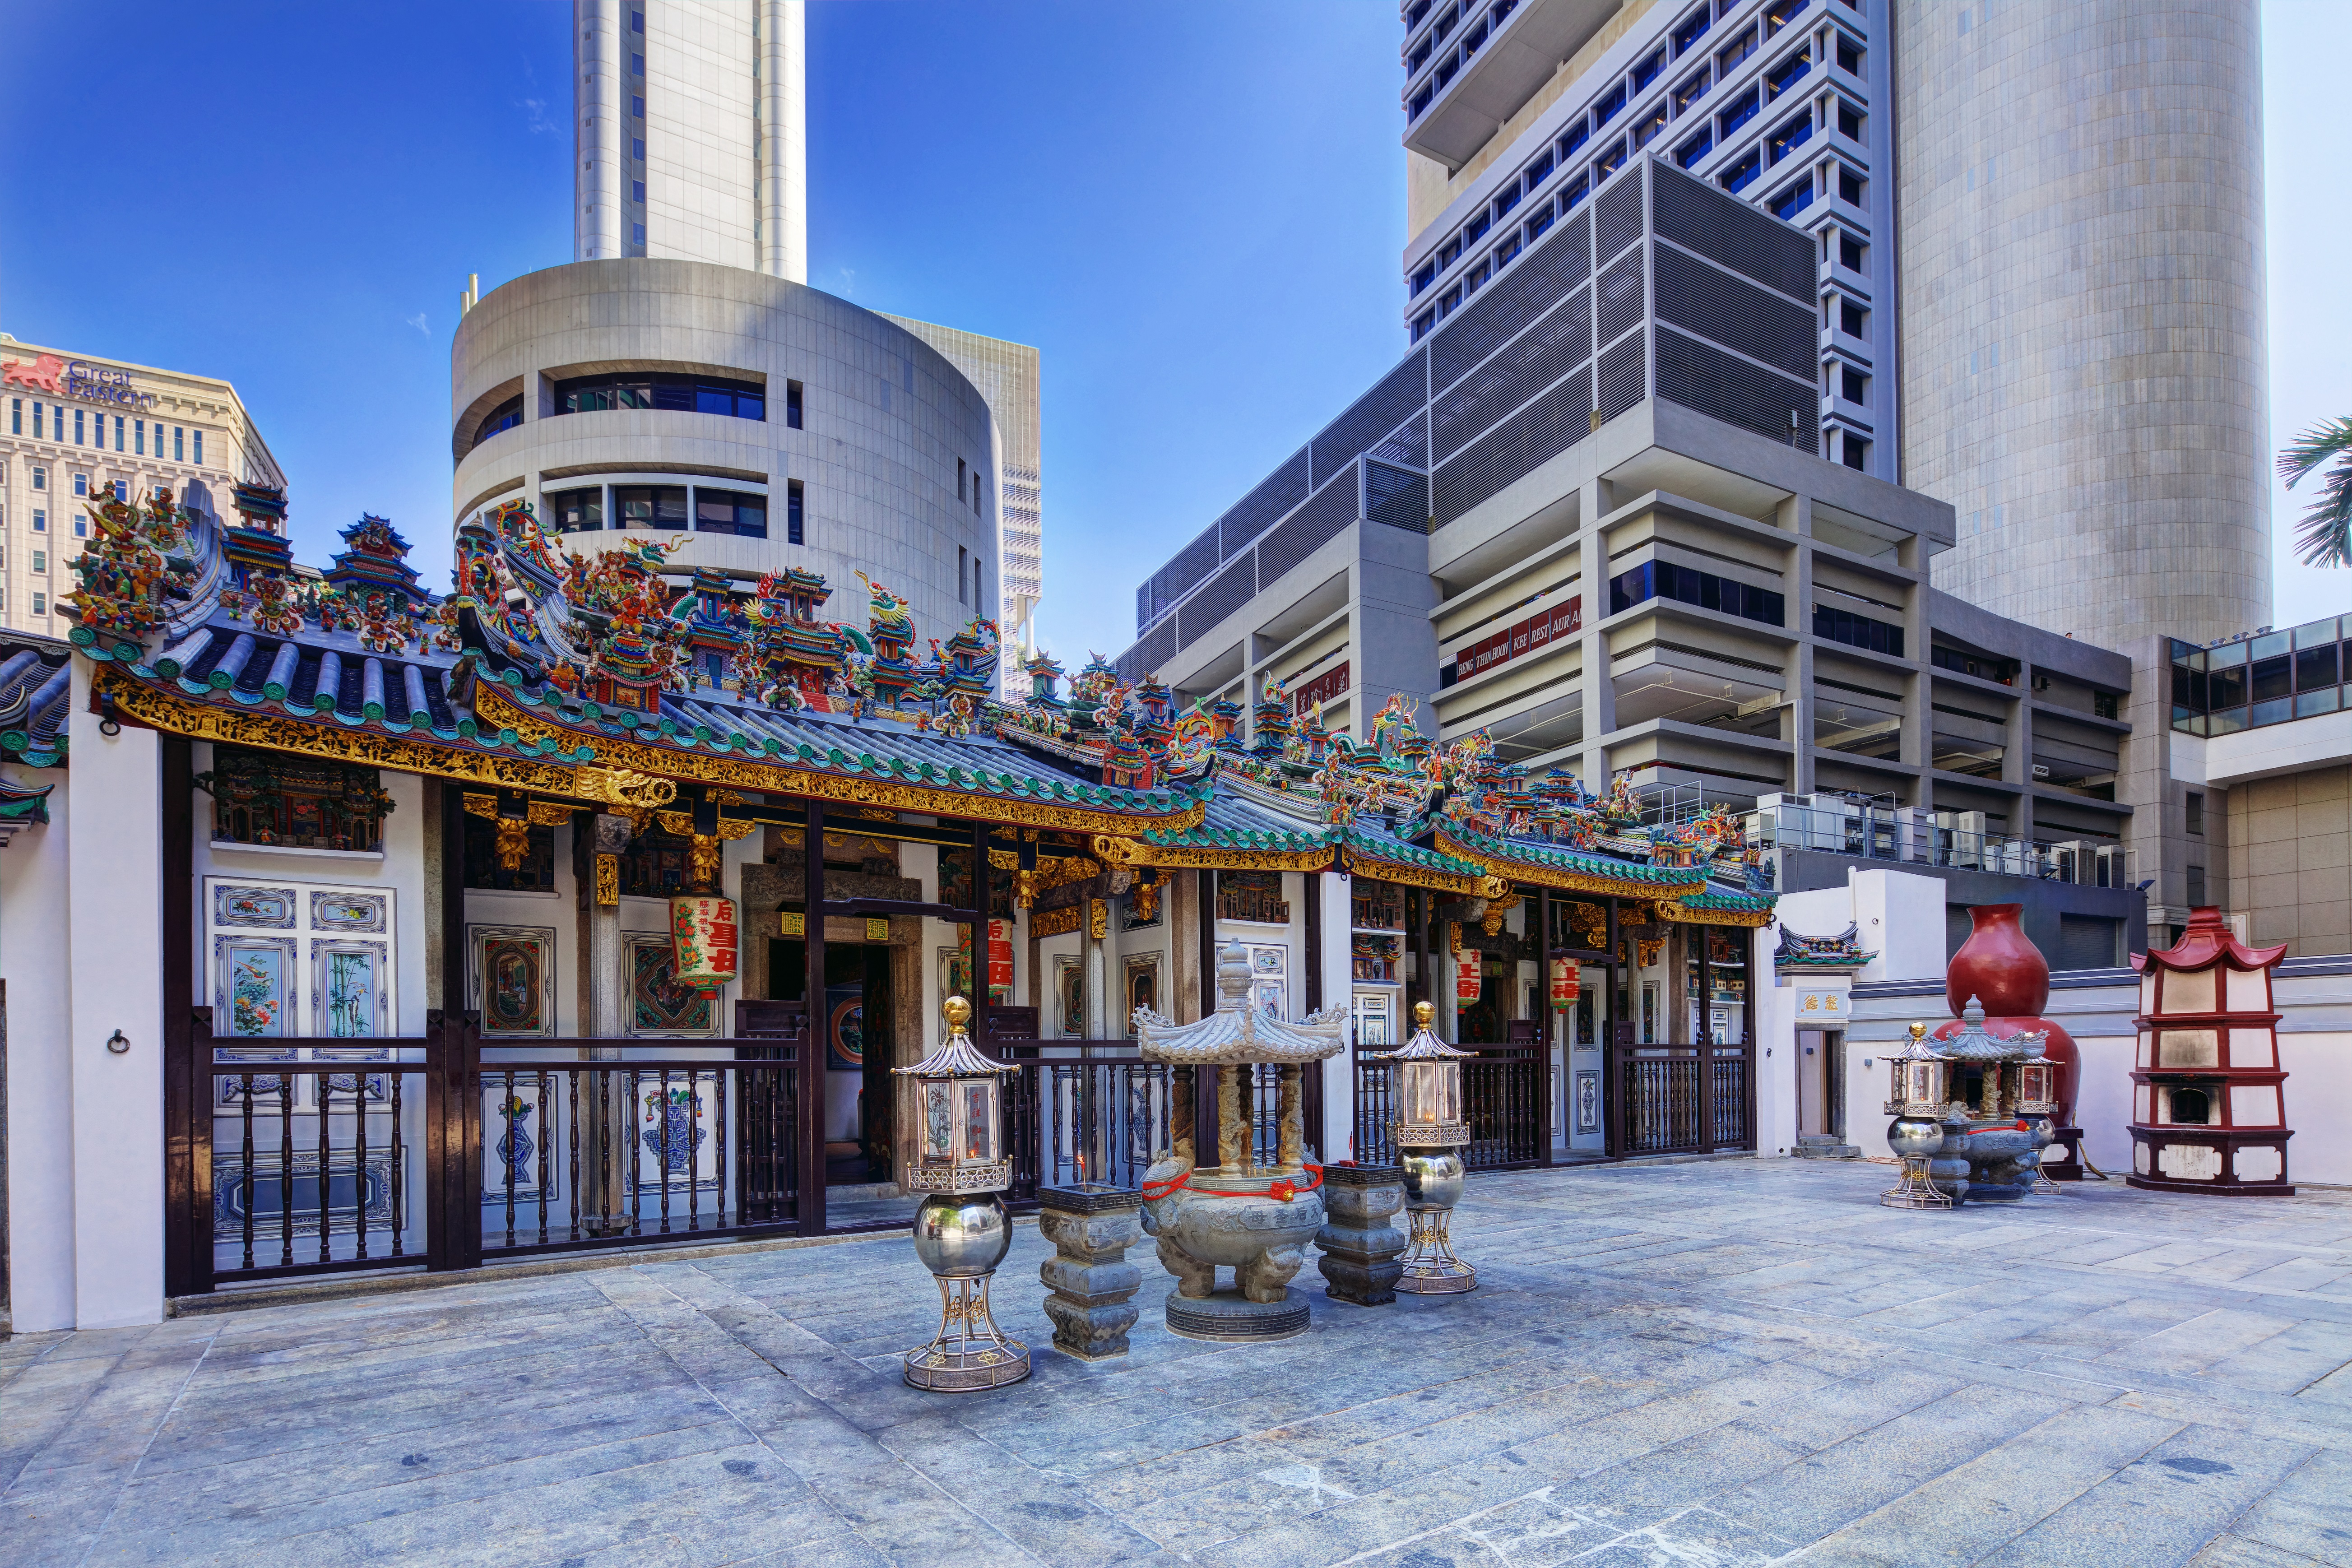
x,y
1000,961
702,939
1466,979
1567,985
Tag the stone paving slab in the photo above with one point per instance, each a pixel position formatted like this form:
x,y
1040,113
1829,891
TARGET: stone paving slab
x,y
1719,1365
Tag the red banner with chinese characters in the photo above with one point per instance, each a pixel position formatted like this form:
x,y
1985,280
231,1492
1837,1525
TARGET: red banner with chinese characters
x,y
1530,636
1322,689
1567,985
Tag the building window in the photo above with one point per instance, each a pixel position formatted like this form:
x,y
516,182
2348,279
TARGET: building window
x,y
1849,54
40,604
1776,14
1610,102
1425,277
40,520
36,421
650,506
1849,186
1853,385
139,436
793,533
960,472
15,416
1422,323
505,417
1576,137
1852,319
2196,886
1647,71
1697,147
637,65
199,438
963,560
1733,53
122,488
1794,200
730,511
1849,121
1537,172
1857,451
1692,90
1608,162
637,106
638,192
636,21
1790,68
118,432
578,512
40,561
1665,580
638,232
678,393
793,404
81,484
40,474
1857,631
2196,813
1689,33
979,588
179,444
81,526
637,147
78,428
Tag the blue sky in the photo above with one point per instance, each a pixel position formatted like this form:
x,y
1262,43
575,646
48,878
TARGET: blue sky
x,y
1194,211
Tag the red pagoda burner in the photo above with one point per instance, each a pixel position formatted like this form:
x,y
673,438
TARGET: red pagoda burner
x,y
2208,1096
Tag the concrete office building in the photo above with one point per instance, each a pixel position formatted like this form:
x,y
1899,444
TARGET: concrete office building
x,y
689,122
74,424
762,423
1007,376
1518,111
1575,516
2086,362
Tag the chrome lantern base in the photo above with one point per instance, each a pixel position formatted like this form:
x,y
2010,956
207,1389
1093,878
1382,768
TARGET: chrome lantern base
x,y
1433,1186
1430,1269
1915,1191
961,1238
970,1352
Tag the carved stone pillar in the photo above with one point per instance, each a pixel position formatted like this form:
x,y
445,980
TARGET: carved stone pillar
x,y
1094,929
606,1115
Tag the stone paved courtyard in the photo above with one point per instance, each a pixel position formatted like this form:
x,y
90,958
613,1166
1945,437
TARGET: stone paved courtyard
x,y
1699,1364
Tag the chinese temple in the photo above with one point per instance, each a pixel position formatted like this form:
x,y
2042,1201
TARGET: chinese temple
x,y
594,901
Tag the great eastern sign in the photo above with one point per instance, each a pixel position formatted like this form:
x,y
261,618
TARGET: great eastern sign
x,y
75,378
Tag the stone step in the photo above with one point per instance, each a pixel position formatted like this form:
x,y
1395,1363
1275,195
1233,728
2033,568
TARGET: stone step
x,y
1813,1147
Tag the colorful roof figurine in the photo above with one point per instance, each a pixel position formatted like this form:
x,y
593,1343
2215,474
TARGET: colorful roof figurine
x,y
258,544
374,559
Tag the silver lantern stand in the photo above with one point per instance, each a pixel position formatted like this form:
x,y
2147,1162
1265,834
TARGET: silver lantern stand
x,y
1918,1078
962,1230
1430,1129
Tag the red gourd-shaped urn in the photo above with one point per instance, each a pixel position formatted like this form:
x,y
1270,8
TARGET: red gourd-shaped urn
x,y
1999,966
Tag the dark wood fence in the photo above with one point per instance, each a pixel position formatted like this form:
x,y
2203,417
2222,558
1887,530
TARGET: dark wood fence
x,y
1505,1090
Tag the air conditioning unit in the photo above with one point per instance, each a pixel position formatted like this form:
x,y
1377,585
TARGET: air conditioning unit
x,y
2069,858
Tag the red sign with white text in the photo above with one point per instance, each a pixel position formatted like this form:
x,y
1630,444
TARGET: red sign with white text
x,y
1530,636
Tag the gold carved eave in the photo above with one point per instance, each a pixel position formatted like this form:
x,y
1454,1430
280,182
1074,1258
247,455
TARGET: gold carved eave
x,y
1406,876
1668,909
1558,876
1119,851
745,773
161,710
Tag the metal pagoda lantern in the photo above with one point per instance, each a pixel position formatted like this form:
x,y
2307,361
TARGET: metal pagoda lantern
x,y
1918,1091
963,1229
2208,1093
1429,1131
2037,1107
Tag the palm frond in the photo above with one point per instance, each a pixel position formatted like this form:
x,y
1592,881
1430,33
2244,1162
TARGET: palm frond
x,y
2325,536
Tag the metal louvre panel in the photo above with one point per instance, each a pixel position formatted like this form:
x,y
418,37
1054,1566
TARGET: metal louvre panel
x,y
1617,215
1706,379
1296,537
1372,416
1620,378
1732,313
1534,360
1727,231
1276,494
1550,267
1219,596
1408,443
1188,571
1151,651
1617,294
1397,497
1513,450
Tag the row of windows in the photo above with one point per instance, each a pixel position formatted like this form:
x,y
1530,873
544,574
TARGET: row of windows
x,y
1564,152
1665,580
89,430
1486,21
1857,631
679,507
678,393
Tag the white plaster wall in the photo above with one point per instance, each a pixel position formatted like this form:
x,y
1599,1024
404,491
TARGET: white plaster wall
x,y
35,964
114,920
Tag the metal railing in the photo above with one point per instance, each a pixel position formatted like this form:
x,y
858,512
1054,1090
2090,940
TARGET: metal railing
x,y
1912,836
1502,1099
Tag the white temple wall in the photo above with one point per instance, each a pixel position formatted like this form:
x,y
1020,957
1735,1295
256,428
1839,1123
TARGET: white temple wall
x,y
36,967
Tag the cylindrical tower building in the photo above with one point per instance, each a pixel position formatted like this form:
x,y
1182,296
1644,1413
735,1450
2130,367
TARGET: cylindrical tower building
x,y
2084,359
763,423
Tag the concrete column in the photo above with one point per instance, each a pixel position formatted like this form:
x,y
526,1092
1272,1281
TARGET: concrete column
x,y
114,928
1097,960
1798,690
2017,754
1338,988
1599,703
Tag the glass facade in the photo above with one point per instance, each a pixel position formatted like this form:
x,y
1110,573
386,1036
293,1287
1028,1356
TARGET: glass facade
x,y
2269,679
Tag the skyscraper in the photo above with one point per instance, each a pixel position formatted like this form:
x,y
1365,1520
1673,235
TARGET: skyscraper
x,y
690,126
2086,362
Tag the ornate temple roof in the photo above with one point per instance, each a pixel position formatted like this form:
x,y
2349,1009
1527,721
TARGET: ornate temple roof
x,y
35,688
617,677
2207,941
1839,954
